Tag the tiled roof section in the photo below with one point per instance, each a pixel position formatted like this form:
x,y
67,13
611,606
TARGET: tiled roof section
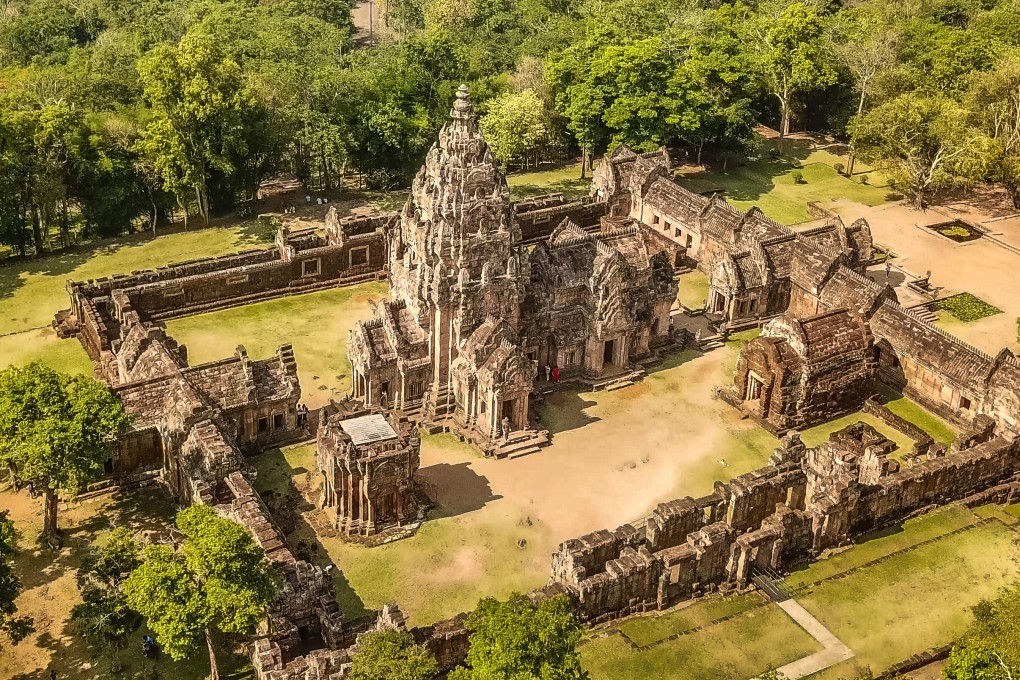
x,y
747,270
929,345
757,226
847,288
226,383
673,199
831,334
811,265
720,219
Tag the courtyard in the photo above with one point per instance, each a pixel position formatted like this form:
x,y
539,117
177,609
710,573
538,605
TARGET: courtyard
x,y
614,456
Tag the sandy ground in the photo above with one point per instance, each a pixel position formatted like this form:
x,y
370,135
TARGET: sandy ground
x,y
614,456
982,268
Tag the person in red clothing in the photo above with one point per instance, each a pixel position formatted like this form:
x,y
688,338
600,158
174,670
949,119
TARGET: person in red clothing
x,y
556,374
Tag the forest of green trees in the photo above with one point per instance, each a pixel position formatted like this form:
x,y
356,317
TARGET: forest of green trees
x,y
122,113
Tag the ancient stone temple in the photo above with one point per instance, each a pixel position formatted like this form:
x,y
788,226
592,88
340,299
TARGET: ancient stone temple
x,y
368,463
800,372
471,319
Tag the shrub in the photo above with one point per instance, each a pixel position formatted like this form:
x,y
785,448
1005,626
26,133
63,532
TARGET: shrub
x,y
966,307
795,163
839,167
798,177
774,152
864,179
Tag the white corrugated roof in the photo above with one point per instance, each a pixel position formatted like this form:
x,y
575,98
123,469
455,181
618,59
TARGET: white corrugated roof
x,y
368,429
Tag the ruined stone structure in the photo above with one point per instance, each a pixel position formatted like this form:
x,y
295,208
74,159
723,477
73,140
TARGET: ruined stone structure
x,y
368,462
804,371
473,316
752,261
804,502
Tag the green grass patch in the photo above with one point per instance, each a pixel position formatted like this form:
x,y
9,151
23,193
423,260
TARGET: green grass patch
x,y
694,286
316,325
917,599
912,412
770,184
876,545
564,180
32,291
816,435
967,307
741,647
42,344
644,630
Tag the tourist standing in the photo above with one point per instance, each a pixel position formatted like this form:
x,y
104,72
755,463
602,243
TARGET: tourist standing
x,y
506,429
556,374
548,372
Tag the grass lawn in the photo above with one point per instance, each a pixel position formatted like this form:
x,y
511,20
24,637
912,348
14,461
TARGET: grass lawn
x,y
693,293
645,630
915,600
42,344
911,411
564,180
315,323
455,558
814,436
768,183
741,647
32,291
50,592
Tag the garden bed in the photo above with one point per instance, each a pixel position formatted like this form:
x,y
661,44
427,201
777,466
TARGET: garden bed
x,y
957,230
967,307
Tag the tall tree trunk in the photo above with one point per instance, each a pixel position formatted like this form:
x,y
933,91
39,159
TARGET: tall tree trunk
x,y
583,155
49,513
214,671
184,210
37,234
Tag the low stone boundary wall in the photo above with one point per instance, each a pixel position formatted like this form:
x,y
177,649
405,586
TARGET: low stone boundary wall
x,y
923,442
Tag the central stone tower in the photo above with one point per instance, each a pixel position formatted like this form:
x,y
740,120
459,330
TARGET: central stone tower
x,y
456,259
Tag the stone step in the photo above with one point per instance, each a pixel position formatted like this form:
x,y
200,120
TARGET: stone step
x,y
524,452
619,385
708,346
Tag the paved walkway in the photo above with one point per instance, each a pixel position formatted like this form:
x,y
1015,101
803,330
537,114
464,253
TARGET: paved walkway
x,y
833,652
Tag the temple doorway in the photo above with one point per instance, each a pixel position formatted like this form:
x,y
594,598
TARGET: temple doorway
x,y
718,302
607,352
754,385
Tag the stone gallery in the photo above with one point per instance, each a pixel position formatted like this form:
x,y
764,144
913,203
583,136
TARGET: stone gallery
x,y
492,300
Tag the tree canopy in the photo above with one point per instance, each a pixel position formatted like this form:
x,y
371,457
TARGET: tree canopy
x,y
218,580
119,114
55,431
392,655
520,640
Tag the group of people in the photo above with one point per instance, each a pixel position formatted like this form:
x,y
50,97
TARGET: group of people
x,y
302,415
552,373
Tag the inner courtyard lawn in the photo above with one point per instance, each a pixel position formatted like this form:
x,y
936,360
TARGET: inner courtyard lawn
x,y
913,600
769,183
740,647
316,324
693,291
565,179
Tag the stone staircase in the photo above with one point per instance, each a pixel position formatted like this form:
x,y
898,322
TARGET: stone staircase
x,y
709,342
925,314
618,381
522,443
